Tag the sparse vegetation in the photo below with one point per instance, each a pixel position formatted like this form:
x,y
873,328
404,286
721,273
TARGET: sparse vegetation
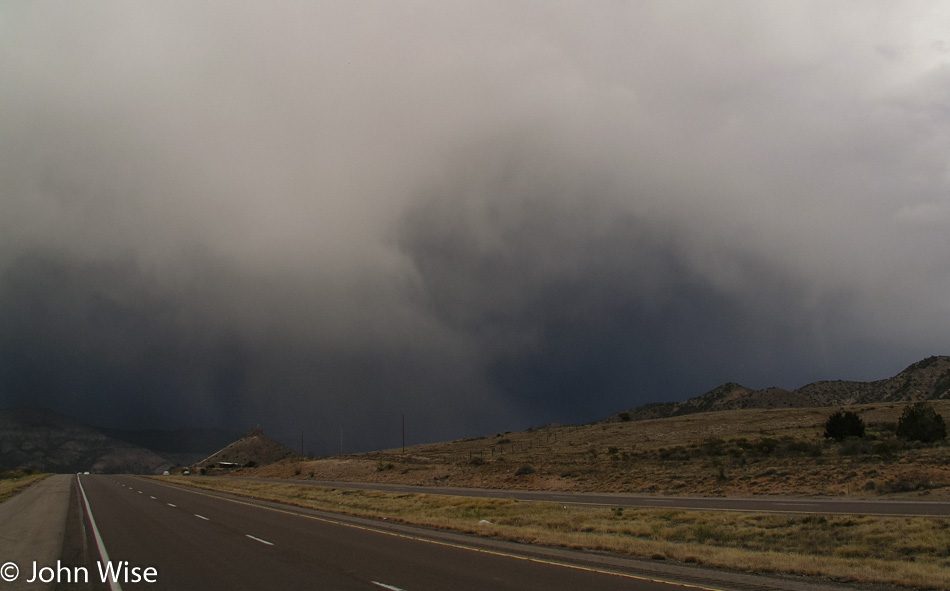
x,y
13,481
16,474
722,453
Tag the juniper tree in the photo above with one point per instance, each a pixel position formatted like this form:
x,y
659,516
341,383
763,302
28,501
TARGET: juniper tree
x,y
920,422
843,424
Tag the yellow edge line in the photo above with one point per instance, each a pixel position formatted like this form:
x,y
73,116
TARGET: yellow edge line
x,y
436,542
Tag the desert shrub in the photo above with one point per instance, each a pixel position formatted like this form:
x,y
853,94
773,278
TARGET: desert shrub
x,y
765,446
624,417
721,475
856,447
844,424
909,483
920,422
477,461
714,447
886,426
887,447
674,454
798,447
525,470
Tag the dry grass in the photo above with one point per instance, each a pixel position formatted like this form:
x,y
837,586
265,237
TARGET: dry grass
x,y
745,452
13,482
734,453
910,552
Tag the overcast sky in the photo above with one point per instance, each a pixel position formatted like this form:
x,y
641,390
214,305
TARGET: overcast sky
x,y
484,215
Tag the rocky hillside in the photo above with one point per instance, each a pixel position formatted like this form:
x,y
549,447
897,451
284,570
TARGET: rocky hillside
x,y
182,447
928,379
254,449
50,442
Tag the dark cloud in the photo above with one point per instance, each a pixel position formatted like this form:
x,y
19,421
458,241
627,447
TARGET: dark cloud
x,y
104,343
309,216
112,344
576,305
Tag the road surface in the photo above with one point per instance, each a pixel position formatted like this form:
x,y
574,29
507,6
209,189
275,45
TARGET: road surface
x,y
196,540
201,540
798,505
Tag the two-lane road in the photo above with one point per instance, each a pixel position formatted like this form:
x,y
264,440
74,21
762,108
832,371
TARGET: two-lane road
x,y
197,540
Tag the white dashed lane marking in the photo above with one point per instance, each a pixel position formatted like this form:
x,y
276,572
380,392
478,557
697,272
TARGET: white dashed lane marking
x,y
260,540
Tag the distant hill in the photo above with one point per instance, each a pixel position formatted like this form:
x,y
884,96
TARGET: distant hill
x,y
928,379
254,449
183,446
50,442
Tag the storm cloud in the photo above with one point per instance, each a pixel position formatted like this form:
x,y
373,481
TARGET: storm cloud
x,y
315,216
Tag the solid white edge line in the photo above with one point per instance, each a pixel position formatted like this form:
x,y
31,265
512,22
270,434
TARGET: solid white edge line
x,y
255,538
103,555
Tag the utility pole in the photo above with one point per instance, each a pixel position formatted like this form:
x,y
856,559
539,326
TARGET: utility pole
x,y
301,442
341,440
403,433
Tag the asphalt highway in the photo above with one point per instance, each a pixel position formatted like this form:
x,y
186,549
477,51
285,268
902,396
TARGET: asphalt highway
x,y
797,505
199,540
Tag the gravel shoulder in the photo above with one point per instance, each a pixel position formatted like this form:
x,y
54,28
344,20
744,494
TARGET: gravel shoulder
x,y
34,523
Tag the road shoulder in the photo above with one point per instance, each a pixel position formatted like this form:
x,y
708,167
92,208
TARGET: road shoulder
x,y
33,526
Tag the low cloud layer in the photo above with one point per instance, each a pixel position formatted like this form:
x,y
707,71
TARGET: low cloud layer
x,y
484,217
